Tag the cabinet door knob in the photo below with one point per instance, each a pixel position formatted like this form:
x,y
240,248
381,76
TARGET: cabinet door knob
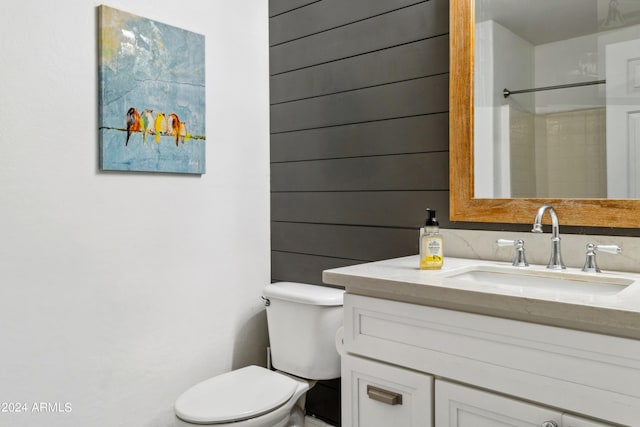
x,y
549,424
385,396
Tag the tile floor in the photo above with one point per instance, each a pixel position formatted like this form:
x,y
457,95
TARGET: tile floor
x,y
314,422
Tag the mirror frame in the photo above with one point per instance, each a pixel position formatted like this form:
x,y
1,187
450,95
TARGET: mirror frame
x,y
463,206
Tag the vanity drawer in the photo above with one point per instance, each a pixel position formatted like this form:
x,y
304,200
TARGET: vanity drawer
x,y
587,373
375,394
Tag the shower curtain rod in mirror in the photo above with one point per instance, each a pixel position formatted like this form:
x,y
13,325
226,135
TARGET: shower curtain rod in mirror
x,y
506,92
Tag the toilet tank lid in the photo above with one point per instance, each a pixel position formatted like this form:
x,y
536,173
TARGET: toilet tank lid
x,y
303,293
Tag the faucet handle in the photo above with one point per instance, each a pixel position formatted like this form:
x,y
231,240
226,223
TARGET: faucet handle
x,y
505,242
519,260
590,265
610,249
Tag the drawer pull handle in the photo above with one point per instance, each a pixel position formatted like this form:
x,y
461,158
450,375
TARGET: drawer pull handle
x,y
384,396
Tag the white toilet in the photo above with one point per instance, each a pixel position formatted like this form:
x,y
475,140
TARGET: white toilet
x,y
303,321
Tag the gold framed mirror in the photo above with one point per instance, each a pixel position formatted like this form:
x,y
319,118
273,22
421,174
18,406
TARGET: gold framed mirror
x,y
463,205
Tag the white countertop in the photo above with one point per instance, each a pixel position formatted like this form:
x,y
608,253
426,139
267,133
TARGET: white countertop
x,y
400,279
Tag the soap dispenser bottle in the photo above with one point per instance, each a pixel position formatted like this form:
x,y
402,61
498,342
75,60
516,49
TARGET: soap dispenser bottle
x,y
431,255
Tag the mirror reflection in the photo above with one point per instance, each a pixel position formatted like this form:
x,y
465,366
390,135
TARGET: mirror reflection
x,y
557,99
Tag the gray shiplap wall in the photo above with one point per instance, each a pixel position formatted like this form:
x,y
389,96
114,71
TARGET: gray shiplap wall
x,y
359,130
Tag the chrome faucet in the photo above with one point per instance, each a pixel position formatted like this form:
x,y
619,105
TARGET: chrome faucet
x,y
555,261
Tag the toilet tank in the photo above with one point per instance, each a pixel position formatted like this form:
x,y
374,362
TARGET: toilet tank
x,y
303,320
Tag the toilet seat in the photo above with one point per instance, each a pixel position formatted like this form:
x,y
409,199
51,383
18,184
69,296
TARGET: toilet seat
x,y
234,396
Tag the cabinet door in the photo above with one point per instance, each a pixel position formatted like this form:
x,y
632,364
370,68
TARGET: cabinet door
x,y
460,406
375,394
573,421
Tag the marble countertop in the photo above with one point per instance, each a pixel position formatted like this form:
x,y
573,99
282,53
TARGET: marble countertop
x,y
399,279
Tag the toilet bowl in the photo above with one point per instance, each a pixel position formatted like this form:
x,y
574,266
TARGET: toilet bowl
x,y
302,321
249,397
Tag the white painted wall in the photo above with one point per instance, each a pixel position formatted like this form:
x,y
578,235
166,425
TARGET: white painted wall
x,y
118,290
484,110
569,61
509,60
580,59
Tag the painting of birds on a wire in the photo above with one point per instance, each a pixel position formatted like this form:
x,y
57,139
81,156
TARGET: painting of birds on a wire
x,y
158,126
152,95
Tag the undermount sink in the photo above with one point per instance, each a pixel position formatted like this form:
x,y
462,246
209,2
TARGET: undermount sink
x,y
556,281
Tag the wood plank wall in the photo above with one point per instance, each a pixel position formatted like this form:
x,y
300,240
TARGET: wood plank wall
x,y
359,130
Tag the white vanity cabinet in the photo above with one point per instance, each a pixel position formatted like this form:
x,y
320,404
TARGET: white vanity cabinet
x,y
574,421
380,395
461,406
488,371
